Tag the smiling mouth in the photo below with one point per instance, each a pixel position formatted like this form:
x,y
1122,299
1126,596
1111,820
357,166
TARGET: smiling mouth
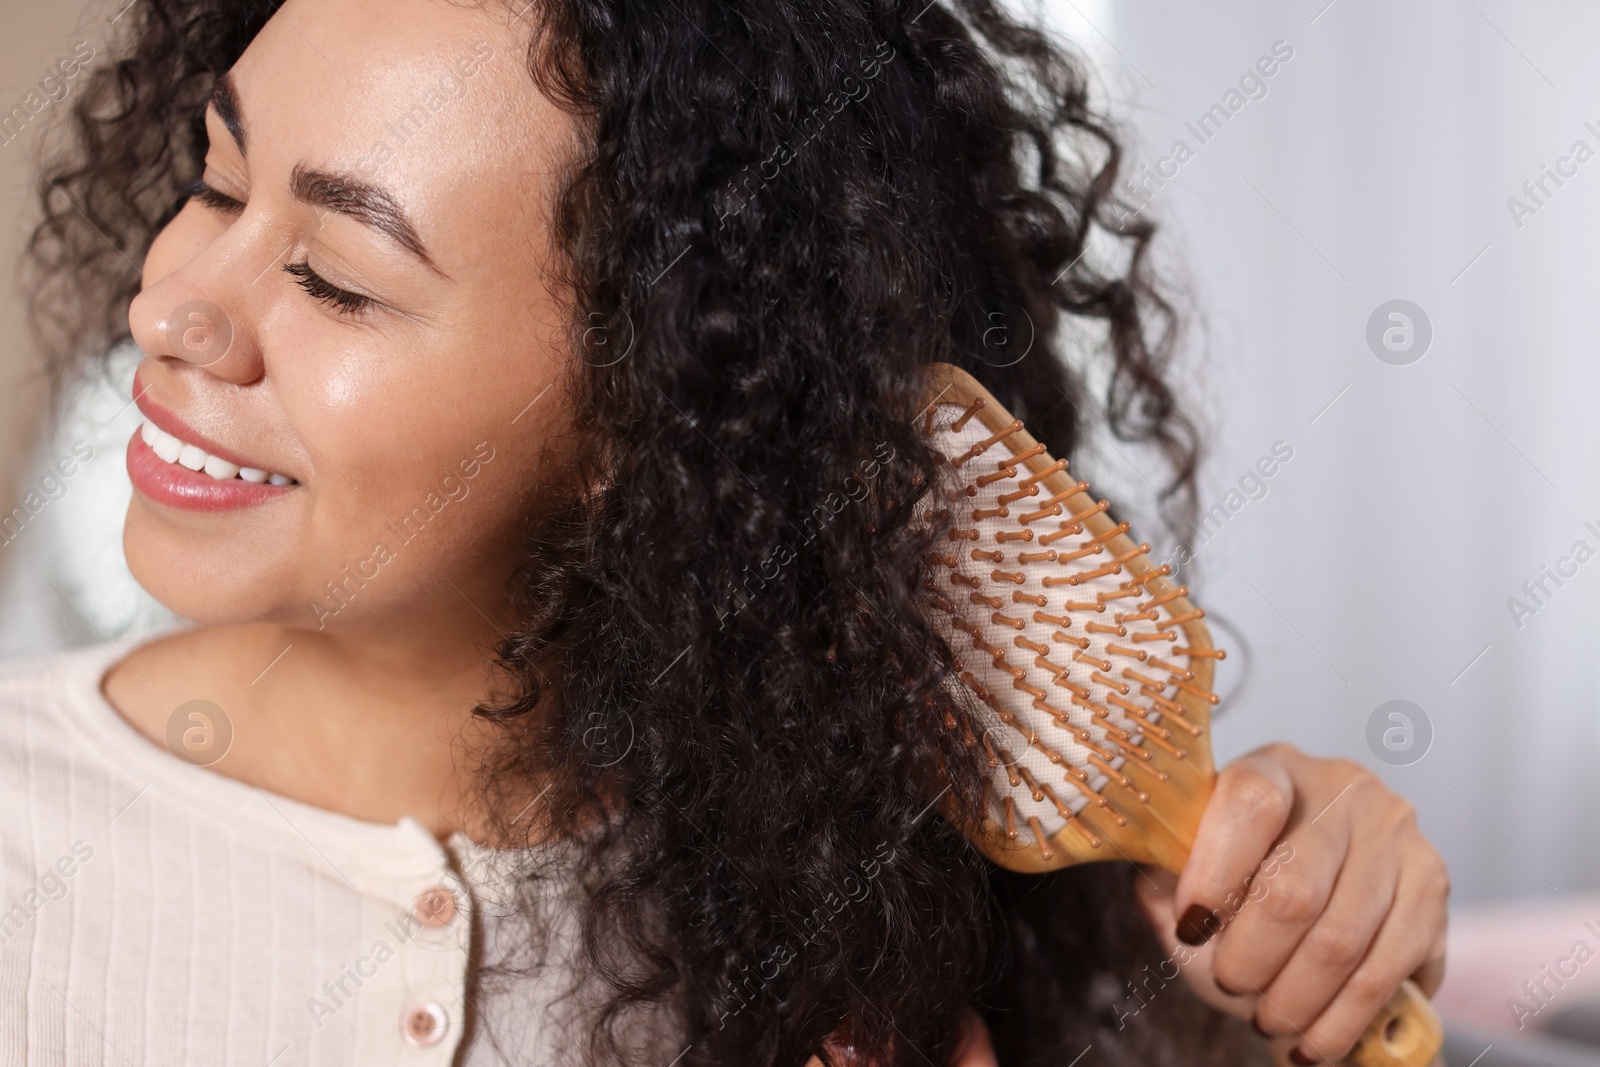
x,y
181,453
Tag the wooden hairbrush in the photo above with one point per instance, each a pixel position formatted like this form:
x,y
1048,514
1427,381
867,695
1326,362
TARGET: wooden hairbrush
x,y
1092,672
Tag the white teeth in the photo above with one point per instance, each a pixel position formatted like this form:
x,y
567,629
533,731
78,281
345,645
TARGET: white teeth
x,y
172,450
220,469
163,443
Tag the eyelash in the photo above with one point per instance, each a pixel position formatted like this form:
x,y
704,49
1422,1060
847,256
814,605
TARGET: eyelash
x,y
199,190
341,300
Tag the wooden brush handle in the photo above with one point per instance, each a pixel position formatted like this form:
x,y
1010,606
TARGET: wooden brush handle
x,y
1406,1033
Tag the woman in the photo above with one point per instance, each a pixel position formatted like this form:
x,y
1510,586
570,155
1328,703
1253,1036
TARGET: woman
x,y
490,353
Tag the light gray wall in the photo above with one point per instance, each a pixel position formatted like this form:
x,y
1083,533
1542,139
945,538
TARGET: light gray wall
x,y
1379,564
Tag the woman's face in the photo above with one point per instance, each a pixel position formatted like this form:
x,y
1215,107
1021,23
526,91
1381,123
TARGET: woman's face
x,y
398,151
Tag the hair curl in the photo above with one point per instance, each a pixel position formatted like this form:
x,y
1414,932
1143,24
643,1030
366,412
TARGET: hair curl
x,y
784,212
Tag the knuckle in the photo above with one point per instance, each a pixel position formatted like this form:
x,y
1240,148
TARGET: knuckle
x,y
1405,812
1334,945
1366,788
1282,1017
1232,975
1369,990
1280,751
1254,794
1359,775
1337,1030
1374,792
1292,901
1441,877
1234,968
1434,875
1334,1040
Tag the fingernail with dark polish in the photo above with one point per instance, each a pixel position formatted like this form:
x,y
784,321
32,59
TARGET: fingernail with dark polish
x,y
1296,1056
1197,925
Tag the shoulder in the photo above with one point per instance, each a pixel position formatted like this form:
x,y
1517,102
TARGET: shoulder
x,y
103,710
36,698
31,683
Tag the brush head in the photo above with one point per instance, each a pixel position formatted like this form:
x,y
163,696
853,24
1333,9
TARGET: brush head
x,y
1090,671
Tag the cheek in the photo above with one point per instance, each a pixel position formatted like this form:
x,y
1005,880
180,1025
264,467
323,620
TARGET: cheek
x,y
434,466
381,424
347,390
392,412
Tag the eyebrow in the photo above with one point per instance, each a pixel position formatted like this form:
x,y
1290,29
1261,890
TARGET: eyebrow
x,y
226,101
362,201
366,203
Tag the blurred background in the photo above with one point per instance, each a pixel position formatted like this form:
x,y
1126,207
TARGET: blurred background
x,y
1389,247
1380,218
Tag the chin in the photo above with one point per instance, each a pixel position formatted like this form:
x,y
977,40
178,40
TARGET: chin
x,y
221,576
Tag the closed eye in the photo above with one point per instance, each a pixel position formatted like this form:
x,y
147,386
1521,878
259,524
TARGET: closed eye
x,y
212,198
341,300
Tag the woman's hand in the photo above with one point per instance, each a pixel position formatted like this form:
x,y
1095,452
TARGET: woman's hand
x,y
1311,895
974,1049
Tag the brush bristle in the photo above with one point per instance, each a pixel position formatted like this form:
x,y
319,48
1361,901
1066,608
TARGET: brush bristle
x,y
1067,642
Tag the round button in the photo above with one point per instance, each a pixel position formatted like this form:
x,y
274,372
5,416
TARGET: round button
x,y
436,907
424,1023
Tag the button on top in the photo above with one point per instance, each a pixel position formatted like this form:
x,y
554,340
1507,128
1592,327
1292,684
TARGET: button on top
x,y
436,907
424,1023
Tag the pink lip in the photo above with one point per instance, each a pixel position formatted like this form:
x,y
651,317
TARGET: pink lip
x,y
180,487
168,420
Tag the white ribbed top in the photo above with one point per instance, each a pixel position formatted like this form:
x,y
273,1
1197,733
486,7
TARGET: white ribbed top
x,y
154,912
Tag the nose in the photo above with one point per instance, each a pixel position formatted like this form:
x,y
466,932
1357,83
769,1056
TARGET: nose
x,y
192,315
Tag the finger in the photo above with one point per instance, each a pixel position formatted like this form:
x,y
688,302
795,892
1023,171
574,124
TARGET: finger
x,y
1249,807
1431,974
1409,938
1432,878
1153,889
1324,958
1284,902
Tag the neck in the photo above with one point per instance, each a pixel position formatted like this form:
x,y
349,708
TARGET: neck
x,y
375,723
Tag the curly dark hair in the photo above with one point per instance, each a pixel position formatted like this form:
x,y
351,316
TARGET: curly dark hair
x,y
783,213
